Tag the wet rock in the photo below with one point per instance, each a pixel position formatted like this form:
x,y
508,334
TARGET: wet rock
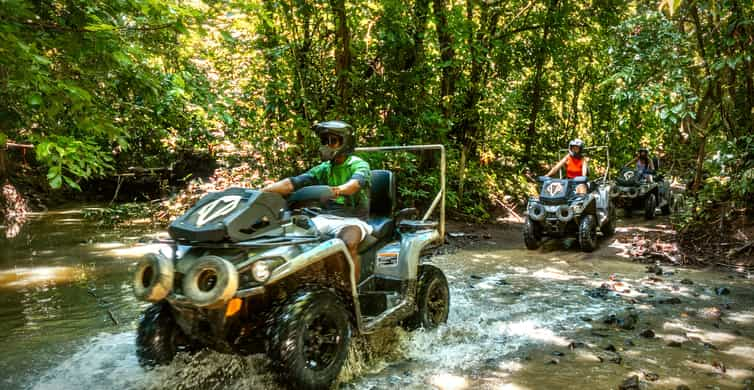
x,y
687,281
610,348
722,291
682,387
651,376
654,269
631,383
576,344
617,359
557,353
553,361
475,277
649,333
710,346
719,365
600,292
670,301
675,344
626,319
586,319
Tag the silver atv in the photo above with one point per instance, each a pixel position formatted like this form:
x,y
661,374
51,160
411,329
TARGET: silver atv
x,y
569,208
247,271
632,191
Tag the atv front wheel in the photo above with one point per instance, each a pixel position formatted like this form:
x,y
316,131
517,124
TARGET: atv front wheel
x,y
432,299
650,205
158,335
609,228
532,236
310,339
668,206
588,233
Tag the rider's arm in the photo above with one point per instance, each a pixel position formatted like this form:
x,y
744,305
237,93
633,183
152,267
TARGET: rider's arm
x,y
651,165
557,166
282,187
585,167
349,188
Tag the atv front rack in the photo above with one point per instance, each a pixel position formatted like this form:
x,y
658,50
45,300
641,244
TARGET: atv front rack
x,y
251,244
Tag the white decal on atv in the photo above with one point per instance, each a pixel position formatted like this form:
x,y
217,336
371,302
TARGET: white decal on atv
x,y
210,211
628,175
554,188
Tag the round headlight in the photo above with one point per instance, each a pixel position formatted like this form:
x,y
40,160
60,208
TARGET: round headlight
x,y
581,189
260,271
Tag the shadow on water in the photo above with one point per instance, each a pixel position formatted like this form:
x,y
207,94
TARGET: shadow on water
x,y
519,320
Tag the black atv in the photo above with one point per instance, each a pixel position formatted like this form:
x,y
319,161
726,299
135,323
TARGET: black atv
x,y
632,191
569,208
249,272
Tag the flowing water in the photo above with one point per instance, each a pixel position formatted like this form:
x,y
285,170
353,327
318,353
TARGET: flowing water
x,y
519,320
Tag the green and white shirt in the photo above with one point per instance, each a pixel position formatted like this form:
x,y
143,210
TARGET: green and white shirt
x,y
327,173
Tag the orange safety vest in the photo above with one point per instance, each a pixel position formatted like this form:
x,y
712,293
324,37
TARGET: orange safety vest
x,y
574,167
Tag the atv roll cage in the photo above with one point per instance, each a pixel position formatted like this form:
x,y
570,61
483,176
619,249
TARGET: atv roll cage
x,y
440,197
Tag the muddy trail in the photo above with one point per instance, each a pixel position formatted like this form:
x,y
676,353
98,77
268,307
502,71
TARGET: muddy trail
x,y
551,318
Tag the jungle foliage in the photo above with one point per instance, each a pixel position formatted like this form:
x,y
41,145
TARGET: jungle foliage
x,y
98,86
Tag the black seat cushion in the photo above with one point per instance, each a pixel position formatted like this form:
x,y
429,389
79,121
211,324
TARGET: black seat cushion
x,y
383,227
382,194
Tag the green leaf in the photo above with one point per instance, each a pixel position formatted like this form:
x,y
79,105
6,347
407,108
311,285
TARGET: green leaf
x,y
56,181
35,100
71,183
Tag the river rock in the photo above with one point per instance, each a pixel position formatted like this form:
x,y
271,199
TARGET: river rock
x,y
617,359
610,348
600,292
651,376
722,291
576,344
649,333
631,383
654,269
687,282
675,344
670,301
557,353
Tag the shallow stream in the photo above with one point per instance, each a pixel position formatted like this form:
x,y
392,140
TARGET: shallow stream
x,y
519,320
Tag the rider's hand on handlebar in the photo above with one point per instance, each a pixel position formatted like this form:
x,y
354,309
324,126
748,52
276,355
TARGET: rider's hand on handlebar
x,y
335,192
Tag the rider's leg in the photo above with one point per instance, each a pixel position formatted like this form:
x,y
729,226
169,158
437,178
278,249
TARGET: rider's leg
x,y
351,236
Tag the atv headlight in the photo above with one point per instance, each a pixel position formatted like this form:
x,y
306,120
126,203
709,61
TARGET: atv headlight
x,y
261,270
581,189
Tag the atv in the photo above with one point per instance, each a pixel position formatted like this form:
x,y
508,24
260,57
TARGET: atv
x,y
569,208
632,191
247,271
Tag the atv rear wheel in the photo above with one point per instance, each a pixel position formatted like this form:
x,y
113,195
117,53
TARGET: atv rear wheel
x,y
532,236
158,336
432,299
650,205
588,233
310,339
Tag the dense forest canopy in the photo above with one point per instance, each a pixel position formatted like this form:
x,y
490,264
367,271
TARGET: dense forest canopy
x,y
97,86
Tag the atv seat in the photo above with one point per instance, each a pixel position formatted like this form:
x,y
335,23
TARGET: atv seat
x,y
382,203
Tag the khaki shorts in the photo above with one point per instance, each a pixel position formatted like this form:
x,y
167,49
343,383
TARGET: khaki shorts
x,y
333,224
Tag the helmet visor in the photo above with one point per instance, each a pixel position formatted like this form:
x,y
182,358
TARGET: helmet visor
x,y
329,139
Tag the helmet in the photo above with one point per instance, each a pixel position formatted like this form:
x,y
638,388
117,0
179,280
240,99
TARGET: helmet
x,y
339,129
643,150
576,142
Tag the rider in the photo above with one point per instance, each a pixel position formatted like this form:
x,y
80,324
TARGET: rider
x,y
644,164
574,161
349,179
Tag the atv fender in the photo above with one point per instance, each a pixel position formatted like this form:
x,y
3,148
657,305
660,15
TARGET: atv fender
x,y
412,245
329,264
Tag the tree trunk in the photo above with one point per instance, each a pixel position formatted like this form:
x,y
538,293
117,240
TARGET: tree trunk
x,y
447,56
536,99
343,54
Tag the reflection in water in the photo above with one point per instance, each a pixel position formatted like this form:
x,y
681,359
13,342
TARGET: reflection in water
x,y
24,277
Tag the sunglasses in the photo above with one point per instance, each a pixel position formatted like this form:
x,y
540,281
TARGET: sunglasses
x,y
330,139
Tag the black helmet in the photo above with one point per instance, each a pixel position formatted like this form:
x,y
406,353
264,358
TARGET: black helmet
x,y
644,150
576,142
326,131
